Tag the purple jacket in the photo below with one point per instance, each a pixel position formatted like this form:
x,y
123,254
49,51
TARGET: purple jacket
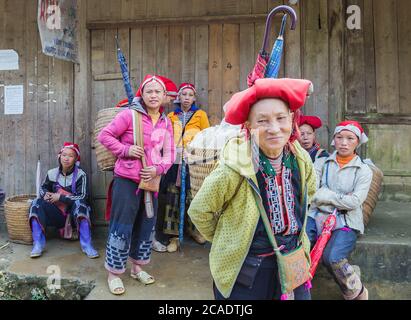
x,y
117,137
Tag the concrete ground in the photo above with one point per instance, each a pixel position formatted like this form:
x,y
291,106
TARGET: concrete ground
x,y
384,255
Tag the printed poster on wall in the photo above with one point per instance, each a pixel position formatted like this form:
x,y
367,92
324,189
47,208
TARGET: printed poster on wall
x,y
57,22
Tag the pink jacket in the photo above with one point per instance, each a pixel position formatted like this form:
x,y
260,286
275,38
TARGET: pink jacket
x,y
117,137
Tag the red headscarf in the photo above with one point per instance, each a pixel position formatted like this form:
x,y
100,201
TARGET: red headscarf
x,y
292,91
313,121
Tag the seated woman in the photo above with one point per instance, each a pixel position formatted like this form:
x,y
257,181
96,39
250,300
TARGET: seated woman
x,y
308,140
260,188
187,120
62,202
344,186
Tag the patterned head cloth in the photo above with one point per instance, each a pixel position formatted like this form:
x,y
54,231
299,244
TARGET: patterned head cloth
x,y
73,146
354,127
147,79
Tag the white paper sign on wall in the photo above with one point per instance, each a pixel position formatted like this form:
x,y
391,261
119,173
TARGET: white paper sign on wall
x,y
9,60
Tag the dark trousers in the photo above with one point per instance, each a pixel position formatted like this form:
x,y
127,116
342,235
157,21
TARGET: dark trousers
x,y
266,286
47,214
131,232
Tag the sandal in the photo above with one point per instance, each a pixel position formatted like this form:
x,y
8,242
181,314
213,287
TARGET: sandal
x,y
143,277
158,246
116,286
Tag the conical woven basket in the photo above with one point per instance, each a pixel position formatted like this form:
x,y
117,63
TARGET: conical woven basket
x,y
201,163
16,211
372,197
105,159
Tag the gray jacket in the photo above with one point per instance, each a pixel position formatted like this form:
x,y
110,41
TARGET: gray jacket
x,y
343,188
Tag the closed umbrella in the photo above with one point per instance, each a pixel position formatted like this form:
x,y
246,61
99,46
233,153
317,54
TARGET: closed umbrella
x,y
148,200
317,251
263,58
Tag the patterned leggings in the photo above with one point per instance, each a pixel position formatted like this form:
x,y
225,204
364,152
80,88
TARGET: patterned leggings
x,y
131,232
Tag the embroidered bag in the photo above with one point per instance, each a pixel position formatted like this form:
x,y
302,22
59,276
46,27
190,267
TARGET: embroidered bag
x,y
293,266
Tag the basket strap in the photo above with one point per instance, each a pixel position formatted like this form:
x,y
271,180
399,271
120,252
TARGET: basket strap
x,y
138,133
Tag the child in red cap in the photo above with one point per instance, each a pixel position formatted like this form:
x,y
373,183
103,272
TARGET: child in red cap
x,y
187,120
62,202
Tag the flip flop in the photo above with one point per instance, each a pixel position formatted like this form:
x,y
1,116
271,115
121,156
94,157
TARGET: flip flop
x,y
114,285
143,277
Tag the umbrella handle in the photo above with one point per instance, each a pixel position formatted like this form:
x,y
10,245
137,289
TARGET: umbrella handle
x,y
285,9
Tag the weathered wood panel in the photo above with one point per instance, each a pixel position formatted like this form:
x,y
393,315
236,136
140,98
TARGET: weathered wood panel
x,y
355,67
231,61
215,72
316,58
386,56
404,55
201,66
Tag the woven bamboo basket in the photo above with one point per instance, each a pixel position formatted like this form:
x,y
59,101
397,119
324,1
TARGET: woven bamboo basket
x,y
16,211
201,163
372,197
105,159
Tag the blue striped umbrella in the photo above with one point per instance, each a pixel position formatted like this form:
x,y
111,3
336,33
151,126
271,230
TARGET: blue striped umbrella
x,y
124,71
273,66
182,202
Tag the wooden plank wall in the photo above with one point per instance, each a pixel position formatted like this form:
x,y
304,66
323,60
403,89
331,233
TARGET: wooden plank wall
x,y
363,74
351,69
47,120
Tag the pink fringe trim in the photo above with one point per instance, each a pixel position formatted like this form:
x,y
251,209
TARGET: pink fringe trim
x,y
284,297
308,285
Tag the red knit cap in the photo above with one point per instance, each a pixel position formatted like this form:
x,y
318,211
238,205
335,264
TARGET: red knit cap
x,y
292,91
352,126
149,78
186,85
170,87
313,121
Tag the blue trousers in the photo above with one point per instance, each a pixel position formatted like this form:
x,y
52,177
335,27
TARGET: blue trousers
x,y
335,258
131,233
340,246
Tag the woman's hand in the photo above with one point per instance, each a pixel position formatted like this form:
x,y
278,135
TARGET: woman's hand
x,y
148,173
52,197
136,152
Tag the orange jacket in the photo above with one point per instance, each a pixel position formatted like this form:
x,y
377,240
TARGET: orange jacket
x,y
198,122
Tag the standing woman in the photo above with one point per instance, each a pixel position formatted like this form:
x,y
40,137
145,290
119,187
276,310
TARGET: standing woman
x,y
187,120
308,140
344,186
260,190
131,230
63,202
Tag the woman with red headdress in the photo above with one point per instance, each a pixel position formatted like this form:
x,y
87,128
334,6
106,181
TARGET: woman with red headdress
x,y
253,206
308,140
344,185
131,230
63,203
187,120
